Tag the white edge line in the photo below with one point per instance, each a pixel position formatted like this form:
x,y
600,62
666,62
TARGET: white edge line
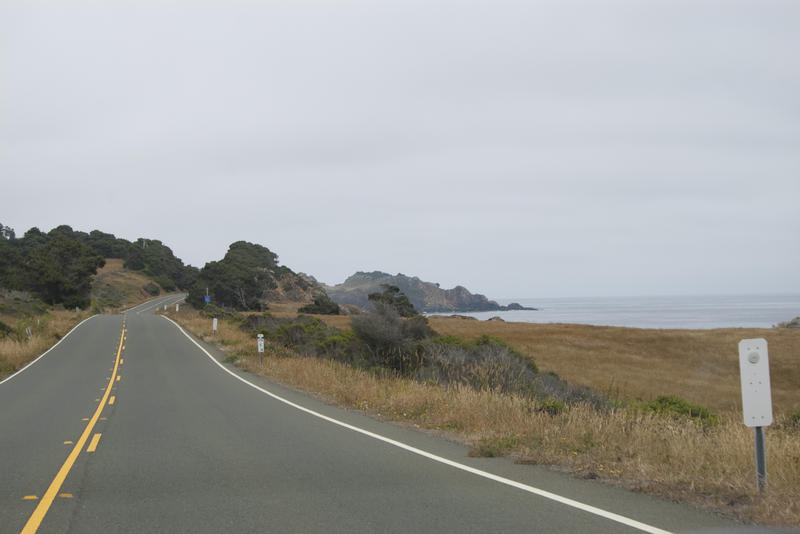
x,y
6,379
502,480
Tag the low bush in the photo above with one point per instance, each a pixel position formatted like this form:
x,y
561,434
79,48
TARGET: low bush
x,y
390,340
551,406
166,282
679,408
322,305
151,289
484,364
551,386
211,311
382,340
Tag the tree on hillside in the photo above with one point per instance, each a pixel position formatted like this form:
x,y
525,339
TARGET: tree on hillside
x,y
107,245
6,232
58,269
158,261
240,280
9,259
394,299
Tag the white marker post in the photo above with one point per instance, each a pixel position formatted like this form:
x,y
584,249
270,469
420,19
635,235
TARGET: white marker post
x,y
260,348
177,306
756,398
214,325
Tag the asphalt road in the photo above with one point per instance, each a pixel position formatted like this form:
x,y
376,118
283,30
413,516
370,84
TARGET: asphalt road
x,y
127,425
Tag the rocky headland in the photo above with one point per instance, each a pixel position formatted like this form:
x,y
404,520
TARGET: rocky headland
x,y
426,297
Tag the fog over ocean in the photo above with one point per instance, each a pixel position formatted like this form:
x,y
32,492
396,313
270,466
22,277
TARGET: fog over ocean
x,y
685,312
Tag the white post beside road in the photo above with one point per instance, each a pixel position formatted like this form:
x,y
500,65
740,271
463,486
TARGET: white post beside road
x,y
214,325
260,348
177,306
756,398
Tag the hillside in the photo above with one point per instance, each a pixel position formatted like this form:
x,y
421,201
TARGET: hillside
x,y
59,267
249,278
425,296
114,287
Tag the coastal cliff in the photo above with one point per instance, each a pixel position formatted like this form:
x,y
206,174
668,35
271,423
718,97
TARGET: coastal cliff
x,y
425,296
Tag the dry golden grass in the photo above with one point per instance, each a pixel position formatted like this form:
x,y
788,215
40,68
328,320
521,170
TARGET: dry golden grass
x,y
285,309
698,365
710,467
128,286
112,264
14,354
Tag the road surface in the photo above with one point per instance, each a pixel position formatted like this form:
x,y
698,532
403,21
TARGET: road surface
x,y
127,425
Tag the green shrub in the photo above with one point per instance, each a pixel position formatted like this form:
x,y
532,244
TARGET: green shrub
x,y
551,386
393,298
211,311
484,364
4,329
678,408
390,339
151,289
551,406
322,305
165,282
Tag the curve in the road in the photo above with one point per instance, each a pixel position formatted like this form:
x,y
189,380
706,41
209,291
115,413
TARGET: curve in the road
x,y
502,480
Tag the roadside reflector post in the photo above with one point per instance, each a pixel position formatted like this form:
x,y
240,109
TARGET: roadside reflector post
x,y
756,398
214,325
177,307
165,307
260,348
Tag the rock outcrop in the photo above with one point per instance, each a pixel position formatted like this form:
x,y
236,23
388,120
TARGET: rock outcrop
x,y
426,297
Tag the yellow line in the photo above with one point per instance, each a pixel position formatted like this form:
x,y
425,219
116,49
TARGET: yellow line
x,y
118,377
30,497
47,499
112,400
93,444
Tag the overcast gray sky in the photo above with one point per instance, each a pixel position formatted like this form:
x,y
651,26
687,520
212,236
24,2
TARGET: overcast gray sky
x,y
521,149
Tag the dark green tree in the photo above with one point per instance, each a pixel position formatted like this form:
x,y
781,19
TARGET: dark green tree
x,y
322,305
393,298
58,269
241,279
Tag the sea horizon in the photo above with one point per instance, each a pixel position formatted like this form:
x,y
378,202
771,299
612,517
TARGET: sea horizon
x,y
660,312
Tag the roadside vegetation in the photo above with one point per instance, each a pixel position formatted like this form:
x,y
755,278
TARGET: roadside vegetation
x,y
29,326
58,267
27,329
481,387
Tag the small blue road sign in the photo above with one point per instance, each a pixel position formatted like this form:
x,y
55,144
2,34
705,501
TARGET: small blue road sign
x,y
208,299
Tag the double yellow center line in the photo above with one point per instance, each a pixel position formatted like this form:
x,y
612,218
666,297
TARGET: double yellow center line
x,y
44,505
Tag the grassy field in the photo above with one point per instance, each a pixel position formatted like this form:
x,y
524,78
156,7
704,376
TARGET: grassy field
x,y
698,365
708,466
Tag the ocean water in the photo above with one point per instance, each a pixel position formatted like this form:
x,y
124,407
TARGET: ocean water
x,y
688,312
